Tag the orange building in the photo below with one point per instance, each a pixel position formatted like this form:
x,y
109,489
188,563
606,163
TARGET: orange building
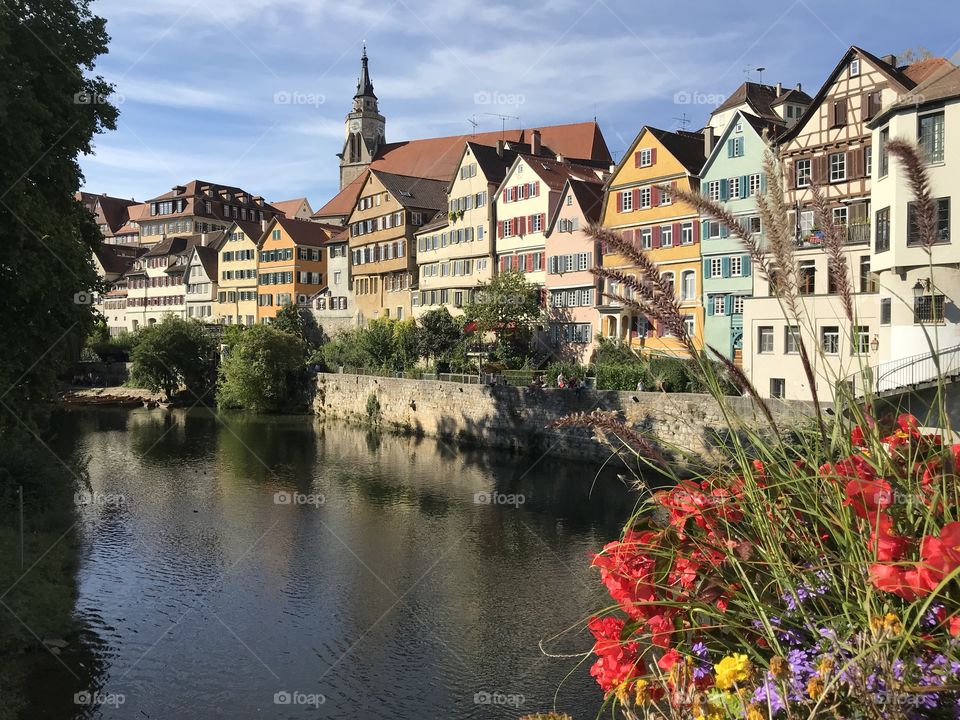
x,y
292,264
668,230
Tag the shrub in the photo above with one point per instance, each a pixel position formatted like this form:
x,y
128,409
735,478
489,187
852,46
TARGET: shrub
x,y
264,371
373,407
174,353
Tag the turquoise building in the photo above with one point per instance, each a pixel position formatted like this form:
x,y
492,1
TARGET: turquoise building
x,y
733,175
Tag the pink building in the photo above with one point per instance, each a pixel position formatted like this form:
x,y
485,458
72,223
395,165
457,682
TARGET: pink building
x,y
573,292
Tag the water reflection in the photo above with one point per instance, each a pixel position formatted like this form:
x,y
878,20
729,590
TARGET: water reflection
x,y
398,592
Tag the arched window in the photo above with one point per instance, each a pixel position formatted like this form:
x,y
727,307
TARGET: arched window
x,y
670,279
354,147
688,285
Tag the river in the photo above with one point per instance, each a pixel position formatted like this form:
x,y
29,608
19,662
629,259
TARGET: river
x,y
274,567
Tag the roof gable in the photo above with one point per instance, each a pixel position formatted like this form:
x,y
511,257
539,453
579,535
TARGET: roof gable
x,y
756,126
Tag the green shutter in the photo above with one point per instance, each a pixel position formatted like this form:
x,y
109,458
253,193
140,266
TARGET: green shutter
x,y
745,262
724,189
706,268
725,265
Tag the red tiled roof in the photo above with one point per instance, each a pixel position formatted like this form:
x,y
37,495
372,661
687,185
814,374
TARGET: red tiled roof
x,y
305,232
923,69
345,200
289,207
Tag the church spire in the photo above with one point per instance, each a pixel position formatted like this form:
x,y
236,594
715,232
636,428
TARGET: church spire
x,y
364,86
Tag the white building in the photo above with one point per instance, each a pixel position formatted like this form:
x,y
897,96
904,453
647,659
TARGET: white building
x,y
919,285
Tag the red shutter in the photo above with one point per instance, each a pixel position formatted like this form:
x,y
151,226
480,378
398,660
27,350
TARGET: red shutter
x,y
636,199
543,221
504,194
696,232
536,189
654,196
636,159
676,233
653,156
521,225
530,262
656,237
619,202
627,235
500,229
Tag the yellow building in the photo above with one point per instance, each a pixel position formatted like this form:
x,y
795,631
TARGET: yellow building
x,y
292,264
237,269
668,230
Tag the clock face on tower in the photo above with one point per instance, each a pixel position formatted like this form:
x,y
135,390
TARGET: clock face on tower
x,y
354,126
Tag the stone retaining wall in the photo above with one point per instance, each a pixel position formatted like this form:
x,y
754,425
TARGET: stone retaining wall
x,y
518,418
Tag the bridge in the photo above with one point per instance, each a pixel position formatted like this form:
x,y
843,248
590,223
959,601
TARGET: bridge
x,y
916,372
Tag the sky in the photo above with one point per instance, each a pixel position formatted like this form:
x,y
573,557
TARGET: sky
x,y
253,93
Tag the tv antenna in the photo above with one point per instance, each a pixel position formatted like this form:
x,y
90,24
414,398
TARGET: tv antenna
x,y
503,120
473,122
683,121
760,72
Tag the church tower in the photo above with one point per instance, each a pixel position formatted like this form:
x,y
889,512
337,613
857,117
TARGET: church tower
x,y
364,128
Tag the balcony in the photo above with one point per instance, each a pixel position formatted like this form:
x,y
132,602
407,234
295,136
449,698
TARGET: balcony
x,y
858,234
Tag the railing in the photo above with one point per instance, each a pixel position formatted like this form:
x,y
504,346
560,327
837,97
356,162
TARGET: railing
x,y
858,234
513,378
908,372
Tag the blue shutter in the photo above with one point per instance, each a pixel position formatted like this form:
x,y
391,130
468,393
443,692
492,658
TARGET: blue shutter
x,y
724,189
703,230
724,230
709,306
745,265
730,148
728,305
706,268
763,183
725,264
745,186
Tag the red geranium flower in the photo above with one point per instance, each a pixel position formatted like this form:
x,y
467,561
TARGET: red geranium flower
x,y
888,546
895,579
867,496
617,662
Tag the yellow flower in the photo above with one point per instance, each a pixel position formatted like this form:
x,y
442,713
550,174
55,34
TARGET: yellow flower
x,y
622,693
892,623
815,688
779,667
732,669
825,666
640,691
753,713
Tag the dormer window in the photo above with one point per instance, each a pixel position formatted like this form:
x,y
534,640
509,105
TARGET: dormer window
x,y
854,67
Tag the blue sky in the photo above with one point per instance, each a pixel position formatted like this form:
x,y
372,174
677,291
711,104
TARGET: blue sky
x,y
254,92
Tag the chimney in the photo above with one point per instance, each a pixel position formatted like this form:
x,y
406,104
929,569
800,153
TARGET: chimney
x,y
560,158
708,140
799,89
204,239
535,142
890,60
779,89
500,148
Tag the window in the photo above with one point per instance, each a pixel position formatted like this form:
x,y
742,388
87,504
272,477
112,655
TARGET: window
x,y
665,198
854,67
646,238
626,200
734,187
941,230
688,285
830,339
646,157
668,279
791,339
839,113
885,311
884,155
871,105
686,234
840,215
860,342
666,236
803,173
735,145
838,167
868,160
719,303
930,137
736,266
807,277
645,197
716,267
928,309
754,225
778,388
690,326
713,190
765,339
754,184
713,229
868,280
737,305
882,240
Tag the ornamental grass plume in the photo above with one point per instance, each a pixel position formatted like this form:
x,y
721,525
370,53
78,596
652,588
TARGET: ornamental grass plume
x,y
811,574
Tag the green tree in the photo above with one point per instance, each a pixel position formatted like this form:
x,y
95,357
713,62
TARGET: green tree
x,y
439,336
345,348
510,307
377,342
51,109
263,372
172,353
405,344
